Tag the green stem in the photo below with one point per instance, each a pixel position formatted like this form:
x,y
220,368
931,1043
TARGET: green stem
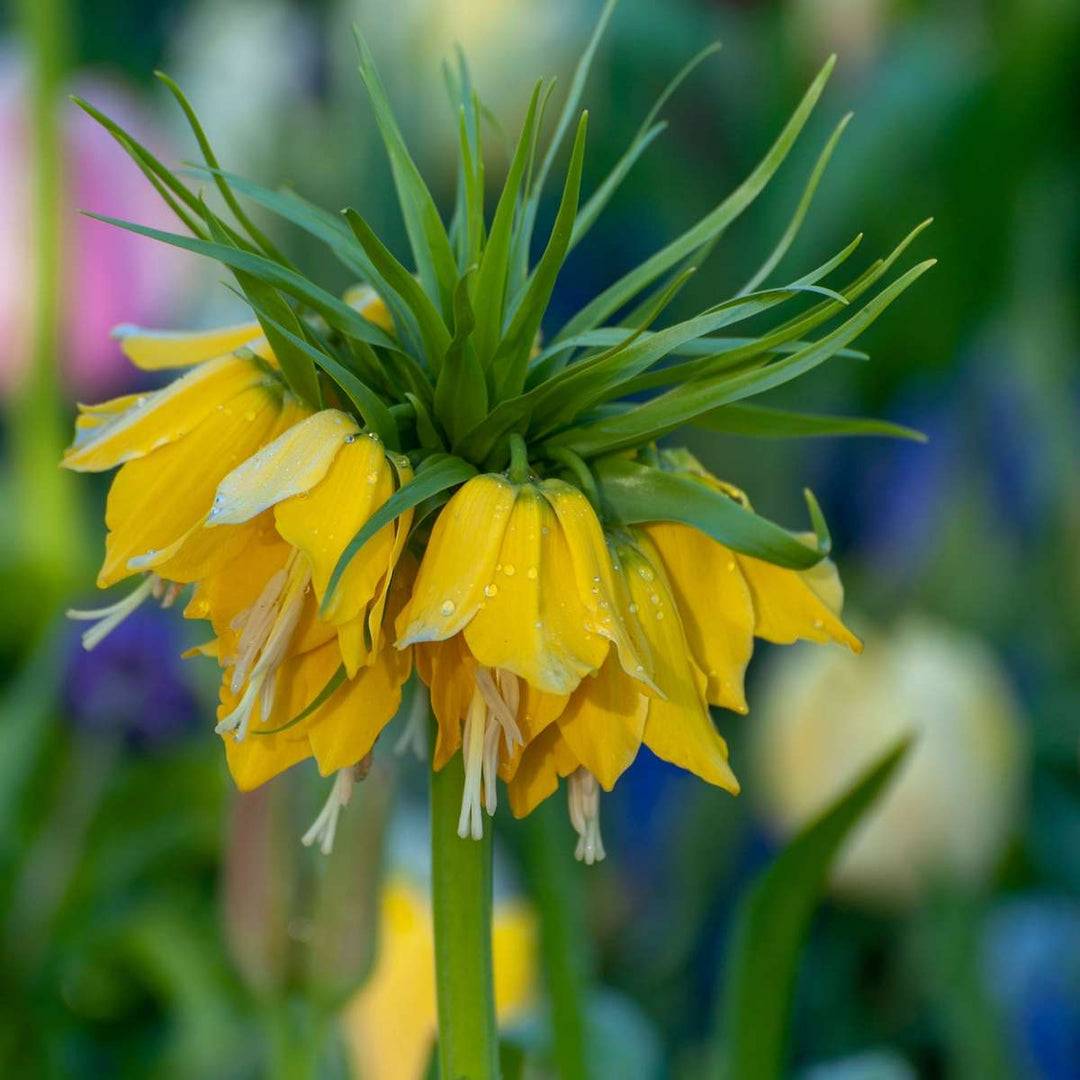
x,y
46,505
295,1032
519,460
555,887
461,872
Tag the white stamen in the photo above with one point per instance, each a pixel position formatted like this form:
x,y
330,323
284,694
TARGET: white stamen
x,y
258,621
272,646
107,619
498,706
324,826
470,822
583,797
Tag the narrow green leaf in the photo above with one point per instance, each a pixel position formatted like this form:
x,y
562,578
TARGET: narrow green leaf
x,y
433,331
461,392
771,924
445,472
491,279
257,235
295,364
682,404
427,235
535,189
637,493
426,431
332,686
374,412
512,356
708,228
757,420
638,145
336,312
788,238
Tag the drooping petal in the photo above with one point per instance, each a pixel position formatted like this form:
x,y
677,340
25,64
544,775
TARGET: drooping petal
x,y
201,553
544,761
794,604
594,574
715,605
346,727
531,621
449,671
155,500
153,350
604,722
322,521
459,562
678,727
155,420
291,465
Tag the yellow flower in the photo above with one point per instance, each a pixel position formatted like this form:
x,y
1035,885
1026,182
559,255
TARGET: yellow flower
x,y
517,589
390,1024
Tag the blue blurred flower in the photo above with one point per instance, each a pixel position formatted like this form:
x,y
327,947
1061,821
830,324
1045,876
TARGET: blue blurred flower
x,y
133,685
1032,969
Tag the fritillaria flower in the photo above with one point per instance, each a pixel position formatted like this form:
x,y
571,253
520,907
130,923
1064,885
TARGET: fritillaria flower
x,y
426,472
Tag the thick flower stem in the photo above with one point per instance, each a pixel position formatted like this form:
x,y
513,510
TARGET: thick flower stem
x,y
461,872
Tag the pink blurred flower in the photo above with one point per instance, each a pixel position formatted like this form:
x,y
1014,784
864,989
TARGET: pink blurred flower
x,y
110,276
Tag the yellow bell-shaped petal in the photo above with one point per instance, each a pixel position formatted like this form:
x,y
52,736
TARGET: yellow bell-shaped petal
x,y
715,605
154,350
155,420
291,465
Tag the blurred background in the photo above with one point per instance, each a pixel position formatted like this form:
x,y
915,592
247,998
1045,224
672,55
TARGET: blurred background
x,y
153,924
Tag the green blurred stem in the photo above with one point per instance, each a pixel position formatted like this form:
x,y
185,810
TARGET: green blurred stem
x,y
461,873
295,1032
556,890
44,495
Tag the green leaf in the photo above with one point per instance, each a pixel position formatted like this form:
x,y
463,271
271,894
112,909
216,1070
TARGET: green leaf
x,y
336,312
433,331
331,230
491,279
637,493
296,365
684,403
323,696
426,431
771,924
535,189
461,392
512,356
707,229
443,472
256,234
375,413
757,420
801,209
427,235
648,131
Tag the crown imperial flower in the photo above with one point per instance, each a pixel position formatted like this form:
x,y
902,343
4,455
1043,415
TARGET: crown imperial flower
x,y
415,474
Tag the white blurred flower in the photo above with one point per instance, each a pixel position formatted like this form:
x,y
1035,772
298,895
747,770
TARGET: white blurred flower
x,y
827,715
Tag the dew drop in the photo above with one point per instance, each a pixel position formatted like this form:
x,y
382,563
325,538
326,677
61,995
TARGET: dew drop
x,y
645,573
654,599
531,573
491,590
350,438
632,608
818,624
447,607
509,570
372,477
659,615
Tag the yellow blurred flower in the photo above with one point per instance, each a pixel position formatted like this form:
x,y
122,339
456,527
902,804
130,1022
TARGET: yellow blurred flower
x,y
390,1024
950,811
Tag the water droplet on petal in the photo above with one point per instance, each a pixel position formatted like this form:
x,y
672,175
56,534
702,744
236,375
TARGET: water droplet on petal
x,y
448,607
491,590
531,573
509,570
818,624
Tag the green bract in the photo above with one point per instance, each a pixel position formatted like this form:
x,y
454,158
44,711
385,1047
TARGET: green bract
x,y
467,368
